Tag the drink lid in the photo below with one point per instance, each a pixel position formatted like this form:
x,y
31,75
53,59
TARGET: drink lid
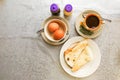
x,y
68,7
54,7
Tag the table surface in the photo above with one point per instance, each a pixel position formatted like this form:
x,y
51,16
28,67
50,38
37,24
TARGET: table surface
x,y
25,56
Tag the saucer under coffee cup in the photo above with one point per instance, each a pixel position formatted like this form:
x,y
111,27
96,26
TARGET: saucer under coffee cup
x,y
89,24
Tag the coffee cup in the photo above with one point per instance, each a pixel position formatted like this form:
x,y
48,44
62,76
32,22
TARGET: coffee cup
x,y
92,22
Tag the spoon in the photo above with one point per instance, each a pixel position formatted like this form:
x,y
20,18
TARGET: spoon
x,y
83,15
41,30
107,19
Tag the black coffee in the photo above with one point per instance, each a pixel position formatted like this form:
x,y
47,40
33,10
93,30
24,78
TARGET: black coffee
x,y
92,21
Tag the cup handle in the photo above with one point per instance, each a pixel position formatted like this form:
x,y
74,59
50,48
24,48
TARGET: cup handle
x,y
102,21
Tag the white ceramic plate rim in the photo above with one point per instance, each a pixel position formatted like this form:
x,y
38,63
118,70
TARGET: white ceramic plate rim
x,y
87,69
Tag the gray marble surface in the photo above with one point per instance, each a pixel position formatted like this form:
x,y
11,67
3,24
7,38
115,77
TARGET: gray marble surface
x,y
25,56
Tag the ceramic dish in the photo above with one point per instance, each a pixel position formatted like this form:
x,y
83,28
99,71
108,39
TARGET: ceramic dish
x,y
88,68
61,24
46,39
80,19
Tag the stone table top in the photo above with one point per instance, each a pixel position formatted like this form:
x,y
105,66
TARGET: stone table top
x,y
25,56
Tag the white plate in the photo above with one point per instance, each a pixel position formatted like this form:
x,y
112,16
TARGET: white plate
x,y
87,69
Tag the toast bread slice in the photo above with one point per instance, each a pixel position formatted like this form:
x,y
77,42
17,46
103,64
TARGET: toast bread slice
x,y
72,53
81,60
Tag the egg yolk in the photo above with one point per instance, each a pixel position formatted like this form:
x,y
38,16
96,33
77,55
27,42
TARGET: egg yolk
x,y
58,34
52,27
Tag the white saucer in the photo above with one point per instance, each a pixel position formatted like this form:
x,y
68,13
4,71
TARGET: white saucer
x,y
52,42
87,69
80,19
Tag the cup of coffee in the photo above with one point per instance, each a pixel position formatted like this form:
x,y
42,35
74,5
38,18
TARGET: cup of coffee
x,y
92,22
